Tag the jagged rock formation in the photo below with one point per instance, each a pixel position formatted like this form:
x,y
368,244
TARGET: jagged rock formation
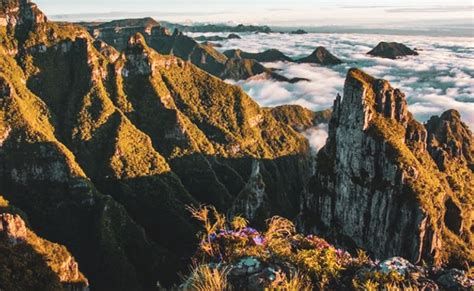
x,y
377,186
271,55
103,149
450,140
392,50
322,57
117,33
29,262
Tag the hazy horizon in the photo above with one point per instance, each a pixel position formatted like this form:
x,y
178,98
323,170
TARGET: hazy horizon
x,y
397,14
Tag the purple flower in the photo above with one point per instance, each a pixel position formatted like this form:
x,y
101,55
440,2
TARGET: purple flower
x,y
258,240
250,230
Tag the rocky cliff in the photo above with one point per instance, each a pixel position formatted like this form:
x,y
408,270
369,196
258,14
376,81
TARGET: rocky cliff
x,y
103,149
378,186
31,262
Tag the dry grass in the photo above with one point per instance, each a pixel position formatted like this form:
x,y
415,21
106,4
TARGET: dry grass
x,y
205,278
297,282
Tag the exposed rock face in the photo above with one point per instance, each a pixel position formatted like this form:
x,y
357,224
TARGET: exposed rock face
x,y
376,185
450,140
392,50
321,56
271,55
103,151
51,265
13,228
20,12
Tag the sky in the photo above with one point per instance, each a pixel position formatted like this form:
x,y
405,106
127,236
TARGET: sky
x,y
272,12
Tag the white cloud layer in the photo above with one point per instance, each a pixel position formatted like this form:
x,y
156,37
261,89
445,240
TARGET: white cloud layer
x,y
317,136
440,78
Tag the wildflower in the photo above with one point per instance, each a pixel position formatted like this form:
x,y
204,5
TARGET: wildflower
x,y
258,240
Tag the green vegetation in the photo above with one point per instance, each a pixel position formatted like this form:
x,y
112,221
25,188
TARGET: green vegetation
x,y
309,261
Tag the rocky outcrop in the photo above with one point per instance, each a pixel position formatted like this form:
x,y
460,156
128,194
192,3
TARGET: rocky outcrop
x,y
30,262
392,50
271,55
376,186
20,12
322,57
450,140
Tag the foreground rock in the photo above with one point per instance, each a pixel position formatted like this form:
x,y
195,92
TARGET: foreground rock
x,y
322,57
242,258
392,50
378,183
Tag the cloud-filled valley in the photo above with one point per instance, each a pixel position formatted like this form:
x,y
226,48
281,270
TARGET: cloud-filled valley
x,y
440,78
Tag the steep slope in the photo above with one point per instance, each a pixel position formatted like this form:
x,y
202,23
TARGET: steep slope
x,y
40,175
31,262
210,125
103,149
377,186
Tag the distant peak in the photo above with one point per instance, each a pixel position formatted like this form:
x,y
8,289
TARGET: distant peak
x,y
392,50
321,56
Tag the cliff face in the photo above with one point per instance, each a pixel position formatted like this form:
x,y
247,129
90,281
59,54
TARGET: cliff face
x,y
103,149
377,186
31,262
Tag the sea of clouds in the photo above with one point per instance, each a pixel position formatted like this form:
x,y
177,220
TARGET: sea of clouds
x,y
440,78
